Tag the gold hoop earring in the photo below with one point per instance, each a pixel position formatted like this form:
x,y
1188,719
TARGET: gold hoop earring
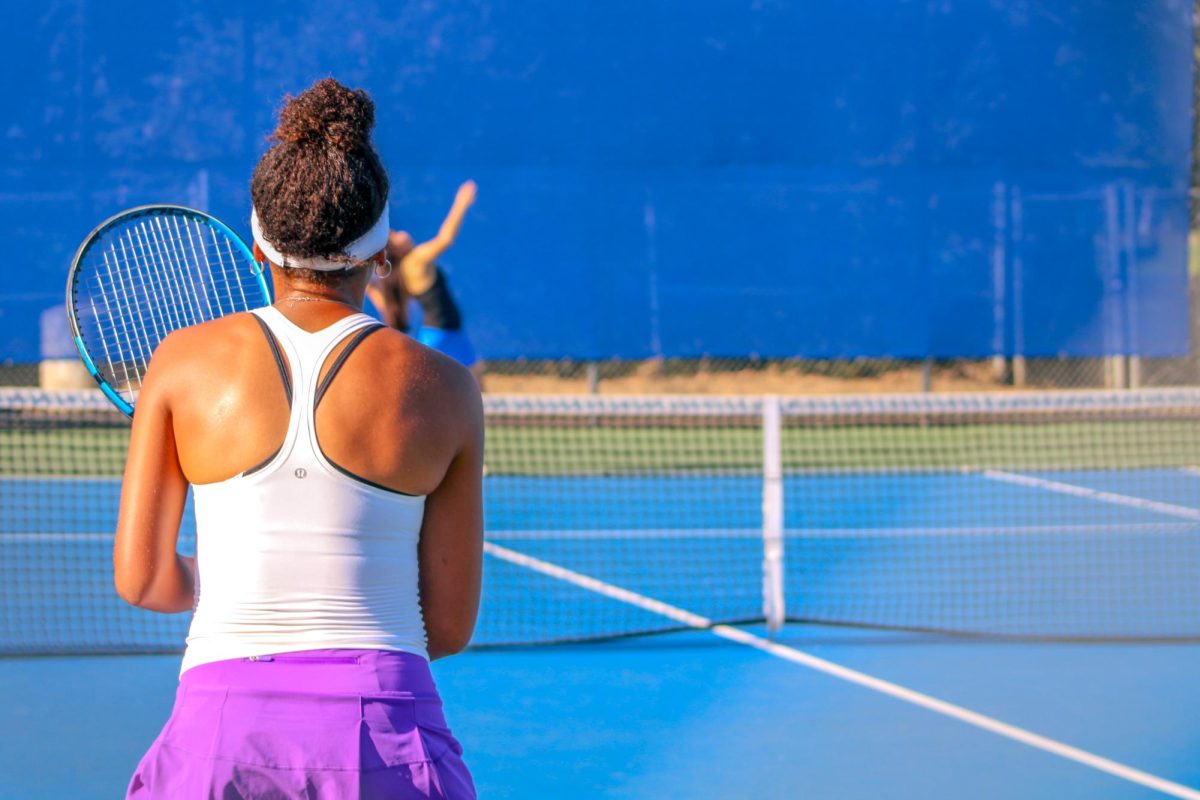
x,y
387,269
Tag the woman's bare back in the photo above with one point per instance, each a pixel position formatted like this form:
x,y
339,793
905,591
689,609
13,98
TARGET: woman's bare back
x,y
394,414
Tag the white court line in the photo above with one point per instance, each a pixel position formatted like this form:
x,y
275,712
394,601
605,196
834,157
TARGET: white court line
x,y
843,673
593,534
752,534
967,531
60,479
624,533
55,537
1093,494
1190,470
6,538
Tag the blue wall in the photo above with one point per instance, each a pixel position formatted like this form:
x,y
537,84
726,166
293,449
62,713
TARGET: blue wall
x,y
862,177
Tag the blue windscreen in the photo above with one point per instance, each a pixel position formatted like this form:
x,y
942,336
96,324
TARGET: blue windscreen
x,y
662,177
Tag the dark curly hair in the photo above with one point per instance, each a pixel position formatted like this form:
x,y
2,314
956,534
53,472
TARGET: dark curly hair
x,y
321,185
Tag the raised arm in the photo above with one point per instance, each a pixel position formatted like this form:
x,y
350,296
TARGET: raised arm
x,y
419,263
451,544
147,570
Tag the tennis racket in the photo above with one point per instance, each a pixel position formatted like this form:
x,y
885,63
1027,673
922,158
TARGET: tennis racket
x,y
146,272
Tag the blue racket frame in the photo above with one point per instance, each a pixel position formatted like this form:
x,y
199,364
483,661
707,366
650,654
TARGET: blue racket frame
x,y
120,219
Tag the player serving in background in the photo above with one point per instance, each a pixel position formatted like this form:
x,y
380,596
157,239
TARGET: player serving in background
x,y
418,276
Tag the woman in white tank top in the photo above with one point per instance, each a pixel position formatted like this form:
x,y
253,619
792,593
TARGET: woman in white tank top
x,y
336,467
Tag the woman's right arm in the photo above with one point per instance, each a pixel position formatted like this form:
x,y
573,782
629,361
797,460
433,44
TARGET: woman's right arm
x,y
451,544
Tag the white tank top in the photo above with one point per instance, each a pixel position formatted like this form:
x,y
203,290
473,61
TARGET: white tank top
x,y
298,554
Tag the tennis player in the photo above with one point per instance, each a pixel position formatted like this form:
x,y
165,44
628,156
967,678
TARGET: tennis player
x,y
336,471
419,277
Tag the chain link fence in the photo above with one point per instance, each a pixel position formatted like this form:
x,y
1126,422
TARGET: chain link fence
x,y
751,376
784,376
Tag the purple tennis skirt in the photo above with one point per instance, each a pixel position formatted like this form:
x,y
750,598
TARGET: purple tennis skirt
x,y
316,724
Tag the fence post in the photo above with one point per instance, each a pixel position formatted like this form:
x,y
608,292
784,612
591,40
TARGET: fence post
x,y
772,514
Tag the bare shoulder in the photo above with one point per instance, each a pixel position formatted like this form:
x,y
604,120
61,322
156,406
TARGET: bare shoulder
x,y
197,347
201,340
423,375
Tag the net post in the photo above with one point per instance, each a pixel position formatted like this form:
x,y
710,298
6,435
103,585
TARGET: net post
x,y
772,518
1135,372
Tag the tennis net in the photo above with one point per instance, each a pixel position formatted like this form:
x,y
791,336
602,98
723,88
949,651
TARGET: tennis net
x,y
1066,515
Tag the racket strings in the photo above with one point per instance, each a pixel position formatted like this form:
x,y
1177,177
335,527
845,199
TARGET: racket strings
x,y
150,276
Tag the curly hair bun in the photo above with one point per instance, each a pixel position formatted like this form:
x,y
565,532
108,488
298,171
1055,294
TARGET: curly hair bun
x,y
330,114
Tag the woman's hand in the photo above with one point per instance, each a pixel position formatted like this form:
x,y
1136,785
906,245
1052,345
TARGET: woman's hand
x,y
465,195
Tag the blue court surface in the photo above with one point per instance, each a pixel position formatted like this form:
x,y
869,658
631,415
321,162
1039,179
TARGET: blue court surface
x,y
718,711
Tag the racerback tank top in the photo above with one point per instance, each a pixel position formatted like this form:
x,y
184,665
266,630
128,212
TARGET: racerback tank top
x,y
297,553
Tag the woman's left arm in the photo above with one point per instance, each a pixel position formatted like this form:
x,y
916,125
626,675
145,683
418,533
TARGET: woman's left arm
x,y
147,570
